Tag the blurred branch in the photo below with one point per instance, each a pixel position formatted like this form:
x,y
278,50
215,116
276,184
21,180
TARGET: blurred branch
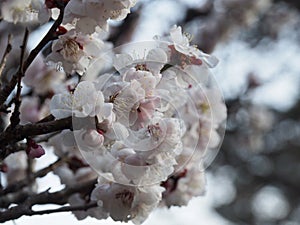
x,y
41,173
59,198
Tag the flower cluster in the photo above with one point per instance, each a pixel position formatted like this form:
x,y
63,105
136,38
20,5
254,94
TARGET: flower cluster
x,y
145,129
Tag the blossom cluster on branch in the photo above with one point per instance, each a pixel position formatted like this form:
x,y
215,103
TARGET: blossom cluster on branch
x,y
143,124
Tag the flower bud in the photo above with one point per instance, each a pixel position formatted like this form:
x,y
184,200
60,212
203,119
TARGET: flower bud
x,y
34,150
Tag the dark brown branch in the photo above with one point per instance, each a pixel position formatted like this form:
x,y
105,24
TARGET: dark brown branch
x,y
15,118
16,198
5,92
24,131
47,119
59,198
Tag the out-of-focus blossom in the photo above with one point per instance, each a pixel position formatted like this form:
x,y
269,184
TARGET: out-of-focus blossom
x,y
64,145
29,110
88,14
25,11
16,167
43,78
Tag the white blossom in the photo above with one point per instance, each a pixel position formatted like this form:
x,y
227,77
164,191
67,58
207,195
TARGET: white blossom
x,y
125,97
146,156
124,203
85,101
153,62
76,51
155,119
183,186
89,139
181,43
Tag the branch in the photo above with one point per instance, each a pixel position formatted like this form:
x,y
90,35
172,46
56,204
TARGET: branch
x,y
15,118
59,197
47,119
24,131
22,183
20,132
5,92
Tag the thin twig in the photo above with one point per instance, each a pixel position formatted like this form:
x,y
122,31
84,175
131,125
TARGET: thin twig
x,y
5,55
15,118
64,209
5,92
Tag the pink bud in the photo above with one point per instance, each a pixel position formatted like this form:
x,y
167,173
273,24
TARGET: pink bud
x,y
34,150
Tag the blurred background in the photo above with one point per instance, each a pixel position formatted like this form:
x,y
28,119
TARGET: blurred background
x,y
255,178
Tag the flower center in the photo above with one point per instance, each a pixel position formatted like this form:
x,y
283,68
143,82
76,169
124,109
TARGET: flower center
x,y
142,67
155,131
126,197
71,50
